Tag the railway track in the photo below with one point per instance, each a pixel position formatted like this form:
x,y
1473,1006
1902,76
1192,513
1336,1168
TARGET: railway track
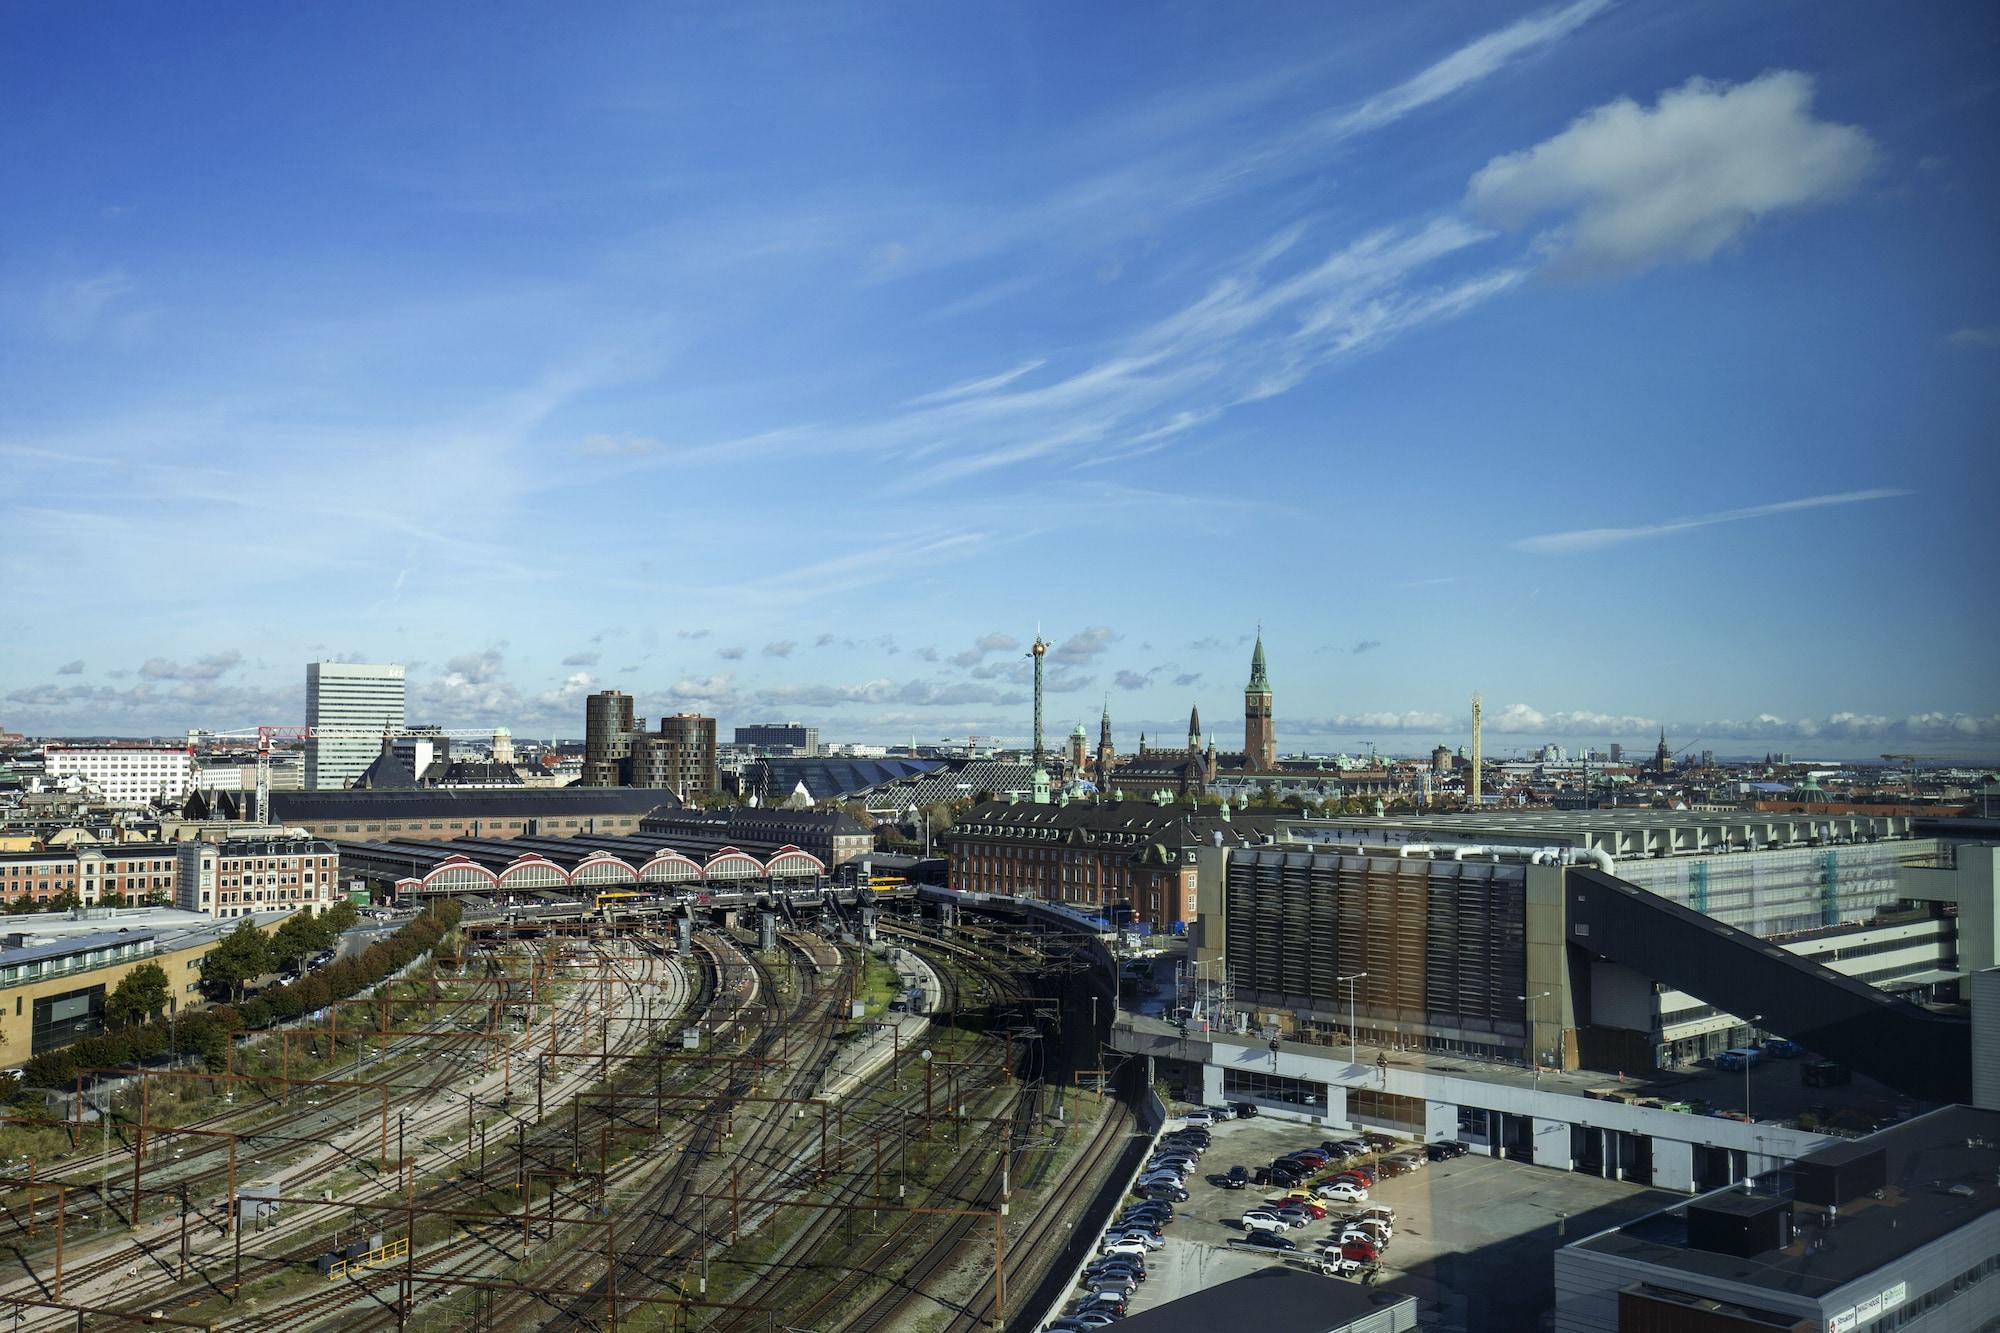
x,y
443,1074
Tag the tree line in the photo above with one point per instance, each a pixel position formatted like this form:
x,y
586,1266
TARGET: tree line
x,y
245,954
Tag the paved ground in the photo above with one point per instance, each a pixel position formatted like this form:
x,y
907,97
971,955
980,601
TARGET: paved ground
x,y
1474,1237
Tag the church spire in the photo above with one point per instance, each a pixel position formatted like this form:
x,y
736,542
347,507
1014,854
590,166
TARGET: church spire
x,y
1194,729
1259,682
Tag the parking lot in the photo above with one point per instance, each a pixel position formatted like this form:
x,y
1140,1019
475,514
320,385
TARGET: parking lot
x,y
1475,1227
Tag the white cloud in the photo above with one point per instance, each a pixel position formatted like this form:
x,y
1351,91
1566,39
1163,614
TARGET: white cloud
x,y
1679,181
1595,539
1981,337
730,654
582,659
1084,646
73,668
996,642
780,648
202,668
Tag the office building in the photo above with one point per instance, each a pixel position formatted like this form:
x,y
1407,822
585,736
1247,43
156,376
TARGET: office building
x,y
1899,1230
679,757
125,775
349,705
56,972
800,739
608,724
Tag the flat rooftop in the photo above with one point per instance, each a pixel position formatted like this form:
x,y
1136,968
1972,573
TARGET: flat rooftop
x,y
1619,832
1941,1175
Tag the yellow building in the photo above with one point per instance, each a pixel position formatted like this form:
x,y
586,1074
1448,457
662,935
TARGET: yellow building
x,y
55,980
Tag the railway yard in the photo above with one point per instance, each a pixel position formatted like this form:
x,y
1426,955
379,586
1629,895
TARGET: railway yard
x,y
605,1124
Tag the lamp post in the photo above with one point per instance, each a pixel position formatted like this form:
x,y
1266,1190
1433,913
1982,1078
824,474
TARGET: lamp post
x,y
1533,1053
1353,1041
1755,1019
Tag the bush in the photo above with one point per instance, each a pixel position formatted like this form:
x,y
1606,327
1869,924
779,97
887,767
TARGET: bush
x,y
256,1013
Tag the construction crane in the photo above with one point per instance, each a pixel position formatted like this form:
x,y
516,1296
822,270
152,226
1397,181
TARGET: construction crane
x,y
264,735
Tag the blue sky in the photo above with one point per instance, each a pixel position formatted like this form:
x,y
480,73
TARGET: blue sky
x,y
1630,364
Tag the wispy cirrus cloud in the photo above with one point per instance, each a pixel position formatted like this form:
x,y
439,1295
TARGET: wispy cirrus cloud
x,y
1596,539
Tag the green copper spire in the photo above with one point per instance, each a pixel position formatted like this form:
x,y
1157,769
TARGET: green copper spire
x,y
1259,682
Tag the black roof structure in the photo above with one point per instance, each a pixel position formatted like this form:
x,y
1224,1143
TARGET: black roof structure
x,y
466,803
1938,1173
1273,1300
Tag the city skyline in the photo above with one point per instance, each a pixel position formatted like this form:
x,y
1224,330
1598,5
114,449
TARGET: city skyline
x,y
1381,332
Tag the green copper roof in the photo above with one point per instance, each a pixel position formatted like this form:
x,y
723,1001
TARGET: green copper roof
x,y
1259,682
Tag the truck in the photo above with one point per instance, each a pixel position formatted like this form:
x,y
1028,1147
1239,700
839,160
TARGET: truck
x,y
1738,1057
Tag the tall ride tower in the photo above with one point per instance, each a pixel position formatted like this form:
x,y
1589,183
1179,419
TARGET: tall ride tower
x,y
1260,742
1040,777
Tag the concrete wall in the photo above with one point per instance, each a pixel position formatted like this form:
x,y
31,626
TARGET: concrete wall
x,y
1985,996
1673,1133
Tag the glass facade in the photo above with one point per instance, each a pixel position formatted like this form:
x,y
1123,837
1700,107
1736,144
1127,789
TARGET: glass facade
x,y
61,1019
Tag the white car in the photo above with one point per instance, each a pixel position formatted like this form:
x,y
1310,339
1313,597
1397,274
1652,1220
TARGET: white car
x,y
1202,1118
1221,1112
1340,1189
1122,1245
1146,1238
1264,1222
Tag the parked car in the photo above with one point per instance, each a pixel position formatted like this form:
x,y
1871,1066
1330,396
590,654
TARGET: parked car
x,y
1312,1157
1334,1264
1379,1142
1352,1147
1239,1173
1223,1182
1222,1111
1087,1318
1113,1276
1203,1118
1108,1299
1263,1221
1345,1191
1446,1149
1135,1264
1265,1240
1152,1240
1122,1245
1366,1252
1783,1048
1169,1192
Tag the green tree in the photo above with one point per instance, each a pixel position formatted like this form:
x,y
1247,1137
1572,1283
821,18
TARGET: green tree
x,y
298,937
244,954
142,993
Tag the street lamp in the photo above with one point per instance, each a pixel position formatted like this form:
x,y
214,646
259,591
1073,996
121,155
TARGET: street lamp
x,y
1755,1019
1352,1040
1533,1053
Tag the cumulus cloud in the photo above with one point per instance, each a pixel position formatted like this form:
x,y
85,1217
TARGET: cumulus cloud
x,y
202,668
74,668
1131,680
730,654
480,668
1636,187
1186,678
822,641
1366,646
1593,539
692,633
996,642
779,648
582,659
1084,647
925,653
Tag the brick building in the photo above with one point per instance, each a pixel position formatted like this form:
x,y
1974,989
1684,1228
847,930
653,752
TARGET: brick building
x,y
435,814
228,877
1093,857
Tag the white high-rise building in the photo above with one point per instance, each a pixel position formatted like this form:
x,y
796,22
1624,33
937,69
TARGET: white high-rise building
x,y
127,775
348,705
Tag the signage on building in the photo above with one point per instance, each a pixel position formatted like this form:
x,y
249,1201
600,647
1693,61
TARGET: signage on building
x,y
1869,1310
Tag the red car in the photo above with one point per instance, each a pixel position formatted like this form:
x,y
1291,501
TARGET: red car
x,y
1314,1210
1361,1251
